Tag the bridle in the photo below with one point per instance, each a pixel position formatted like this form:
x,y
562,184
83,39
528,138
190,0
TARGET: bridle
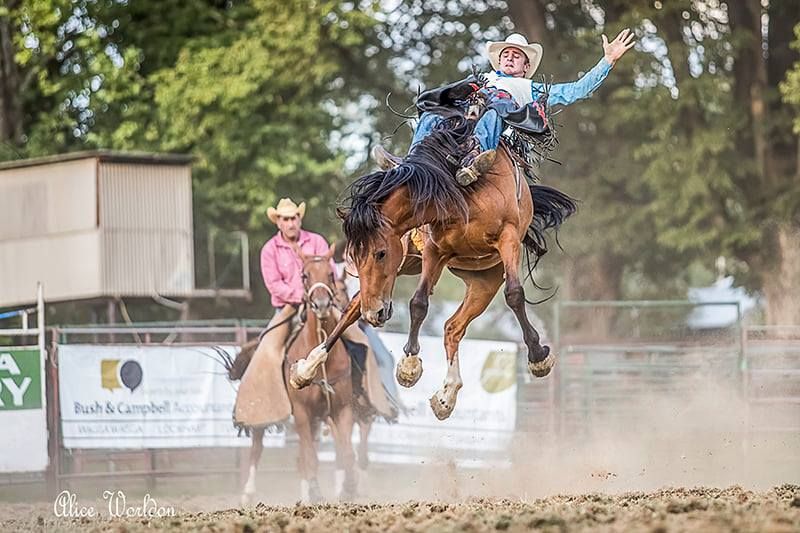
x,y
314,286
325,384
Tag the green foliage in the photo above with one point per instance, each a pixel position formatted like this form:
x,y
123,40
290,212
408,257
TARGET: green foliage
x,y
790,88
284,98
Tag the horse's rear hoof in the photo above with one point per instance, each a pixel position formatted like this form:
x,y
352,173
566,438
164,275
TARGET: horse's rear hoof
x,y
296,377
349,493
310,492
409,370
541,368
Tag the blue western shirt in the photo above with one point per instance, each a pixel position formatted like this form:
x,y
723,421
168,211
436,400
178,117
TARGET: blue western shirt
x,y
523,91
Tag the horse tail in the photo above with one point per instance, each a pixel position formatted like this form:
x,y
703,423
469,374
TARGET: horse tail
x,y
551,208
236,367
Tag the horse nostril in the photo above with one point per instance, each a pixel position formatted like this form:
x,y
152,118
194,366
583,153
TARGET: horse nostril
x,y
382,314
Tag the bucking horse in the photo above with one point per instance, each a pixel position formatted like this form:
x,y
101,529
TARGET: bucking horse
x,y
479,232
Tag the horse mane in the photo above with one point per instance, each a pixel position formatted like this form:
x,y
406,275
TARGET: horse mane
x,y
428,172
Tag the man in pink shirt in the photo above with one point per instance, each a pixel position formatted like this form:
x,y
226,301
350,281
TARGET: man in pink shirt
x,y
262,398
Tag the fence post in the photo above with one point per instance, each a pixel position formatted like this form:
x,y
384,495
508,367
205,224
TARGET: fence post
x,y
53,418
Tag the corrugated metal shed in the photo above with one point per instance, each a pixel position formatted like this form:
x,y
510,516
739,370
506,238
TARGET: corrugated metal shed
x,y
94,224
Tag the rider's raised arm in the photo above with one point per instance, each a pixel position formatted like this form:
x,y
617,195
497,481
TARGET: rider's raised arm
x,y
278,287
568,93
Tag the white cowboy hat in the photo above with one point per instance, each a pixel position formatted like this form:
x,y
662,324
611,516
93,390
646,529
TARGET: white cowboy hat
x,y
515,40
286,208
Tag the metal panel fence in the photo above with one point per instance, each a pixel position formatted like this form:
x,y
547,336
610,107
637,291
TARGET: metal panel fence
x,y
652,353
647,350
771,378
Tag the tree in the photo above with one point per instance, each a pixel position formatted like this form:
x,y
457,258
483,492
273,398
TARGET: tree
x,y
54,54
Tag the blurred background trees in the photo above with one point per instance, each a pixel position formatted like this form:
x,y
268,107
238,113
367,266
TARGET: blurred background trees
x,y
687,153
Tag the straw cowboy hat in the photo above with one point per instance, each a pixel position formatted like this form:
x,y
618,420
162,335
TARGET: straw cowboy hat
x,y
515,40
286,208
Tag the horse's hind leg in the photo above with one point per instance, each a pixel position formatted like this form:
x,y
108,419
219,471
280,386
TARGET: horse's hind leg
x,y
409,369
364,426
256,448
481,288
540,360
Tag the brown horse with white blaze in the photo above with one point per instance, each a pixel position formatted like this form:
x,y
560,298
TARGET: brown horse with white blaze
x,y
479,233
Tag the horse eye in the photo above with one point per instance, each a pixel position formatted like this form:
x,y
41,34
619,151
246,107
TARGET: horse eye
x,y
380,255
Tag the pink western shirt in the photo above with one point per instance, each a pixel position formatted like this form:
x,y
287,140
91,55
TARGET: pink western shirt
x,y
282,269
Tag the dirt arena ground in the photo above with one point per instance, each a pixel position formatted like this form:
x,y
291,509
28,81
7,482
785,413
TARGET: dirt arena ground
x,y
699,509
672,463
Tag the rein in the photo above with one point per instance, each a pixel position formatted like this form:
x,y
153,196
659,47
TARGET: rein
x,y
325,384
319,285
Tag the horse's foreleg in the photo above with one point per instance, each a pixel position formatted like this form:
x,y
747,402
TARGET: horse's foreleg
x,y
409,369
346,477
540,360
307,459
481,288
303,371
255,456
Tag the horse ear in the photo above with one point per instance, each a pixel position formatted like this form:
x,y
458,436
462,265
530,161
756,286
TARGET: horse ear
x,y
331,250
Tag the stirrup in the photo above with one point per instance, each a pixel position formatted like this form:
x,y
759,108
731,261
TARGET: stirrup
x,y
384,159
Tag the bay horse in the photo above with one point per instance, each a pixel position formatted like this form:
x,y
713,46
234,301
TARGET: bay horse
x,y
331,401
478,232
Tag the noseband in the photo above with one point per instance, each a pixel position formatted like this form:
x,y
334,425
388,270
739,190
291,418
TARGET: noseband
x,y
315,286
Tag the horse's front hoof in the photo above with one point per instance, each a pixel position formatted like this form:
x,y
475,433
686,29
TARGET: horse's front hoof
x,y
409,370
247,499
299,375
541,368
442,406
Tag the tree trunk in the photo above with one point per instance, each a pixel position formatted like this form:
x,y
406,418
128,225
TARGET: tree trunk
x,y
750,69
781,284
10,97
529,19
591,277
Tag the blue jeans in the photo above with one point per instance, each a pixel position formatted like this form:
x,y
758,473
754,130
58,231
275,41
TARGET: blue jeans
x,y
487,130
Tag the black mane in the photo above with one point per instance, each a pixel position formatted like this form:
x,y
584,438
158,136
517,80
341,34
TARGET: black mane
x,y
428,172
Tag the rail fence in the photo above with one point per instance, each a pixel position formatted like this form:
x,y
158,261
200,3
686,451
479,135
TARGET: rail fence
x,y
648,352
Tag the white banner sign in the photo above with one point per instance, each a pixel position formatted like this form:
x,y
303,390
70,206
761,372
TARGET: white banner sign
x,y
147,397
23,445
484,416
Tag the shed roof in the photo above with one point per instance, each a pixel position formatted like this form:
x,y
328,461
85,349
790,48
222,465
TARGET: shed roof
x,y
111,156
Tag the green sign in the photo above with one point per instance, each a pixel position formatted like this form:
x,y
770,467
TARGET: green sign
x,y
20,379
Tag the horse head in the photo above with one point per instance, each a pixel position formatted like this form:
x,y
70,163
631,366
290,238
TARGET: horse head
x,y
381,206
377,265
319,283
